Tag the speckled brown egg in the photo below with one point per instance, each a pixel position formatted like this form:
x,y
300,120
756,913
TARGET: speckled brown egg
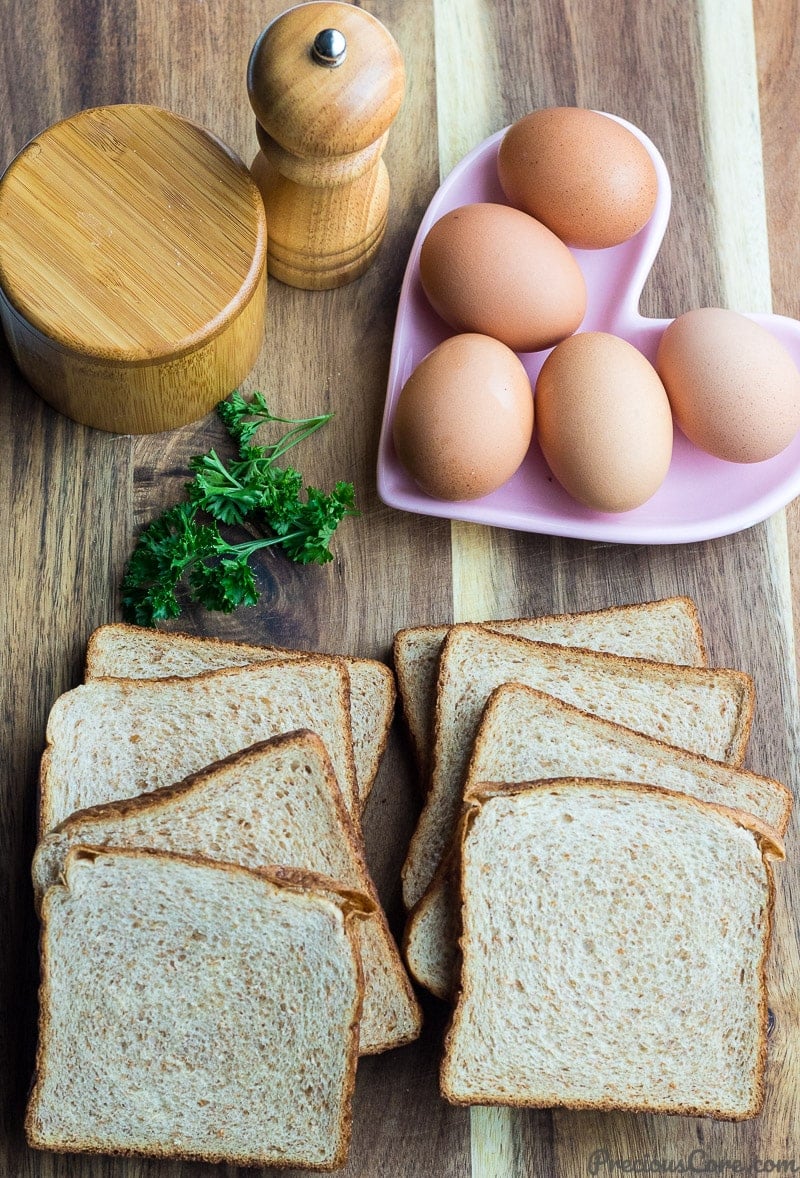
x,y
492,269
603,421
464,419
581,173
733,387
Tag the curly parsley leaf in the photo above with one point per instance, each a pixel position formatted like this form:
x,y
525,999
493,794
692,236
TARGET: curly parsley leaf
x,y
224,585
164,552
318,519
178,548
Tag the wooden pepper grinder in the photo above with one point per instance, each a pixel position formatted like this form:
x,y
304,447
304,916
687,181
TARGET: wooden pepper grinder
x,y
325,81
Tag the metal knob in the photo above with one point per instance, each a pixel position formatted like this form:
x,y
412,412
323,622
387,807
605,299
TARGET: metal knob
x,y
329,48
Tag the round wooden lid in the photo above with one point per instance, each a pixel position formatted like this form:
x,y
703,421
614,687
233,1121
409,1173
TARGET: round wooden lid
x,y
129,234
316,109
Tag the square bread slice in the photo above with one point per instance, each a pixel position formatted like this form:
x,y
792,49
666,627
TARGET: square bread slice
x,y
116,738
275,803
525,735
667,631
614,953
170,1021
706,711
119,651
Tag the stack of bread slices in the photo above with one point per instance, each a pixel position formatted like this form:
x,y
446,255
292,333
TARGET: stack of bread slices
x,y
214,953
590,880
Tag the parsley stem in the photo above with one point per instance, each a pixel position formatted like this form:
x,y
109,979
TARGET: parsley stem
x,y
247,549
213,460
304,429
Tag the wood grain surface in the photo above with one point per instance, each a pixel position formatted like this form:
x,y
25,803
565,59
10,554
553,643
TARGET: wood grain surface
x,y
715,86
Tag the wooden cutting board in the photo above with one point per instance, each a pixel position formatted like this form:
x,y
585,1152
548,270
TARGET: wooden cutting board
x,y
691,75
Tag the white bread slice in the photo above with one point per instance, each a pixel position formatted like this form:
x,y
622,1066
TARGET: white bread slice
x,y
614,951
666,631
119,651
170,1013
116,738
275,803
705,711
525,735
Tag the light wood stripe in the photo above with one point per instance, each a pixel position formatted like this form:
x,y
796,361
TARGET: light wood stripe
x,y
781,574
492,1136
735,163
474,562
469,109
468,78
733,140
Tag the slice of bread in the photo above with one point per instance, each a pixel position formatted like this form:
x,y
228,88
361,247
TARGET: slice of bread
x,y
116,738
525,735
703,710
277,802
614,953
666,631
120,651
430,937
170,1013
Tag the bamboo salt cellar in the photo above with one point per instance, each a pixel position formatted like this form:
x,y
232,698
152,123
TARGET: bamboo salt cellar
x,y
132,268
325,81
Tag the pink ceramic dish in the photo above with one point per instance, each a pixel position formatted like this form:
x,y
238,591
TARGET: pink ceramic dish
x,y
702,496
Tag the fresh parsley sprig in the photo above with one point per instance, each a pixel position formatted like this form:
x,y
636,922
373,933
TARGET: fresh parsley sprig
x,y
185,545
242,418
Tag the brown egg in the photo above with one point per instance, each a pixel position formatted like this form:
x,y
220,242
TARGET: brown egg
x,y
603,421
581,173
734,389
464,419
492,269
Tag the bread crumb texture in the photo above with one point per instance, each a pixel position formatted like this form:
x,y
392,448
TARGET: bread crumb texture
x,y
614,944
277,802
92,757
704,711
184,1015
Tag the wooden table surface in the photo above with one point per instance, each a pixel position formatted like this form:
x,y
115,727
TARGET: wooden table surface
x,y
717,88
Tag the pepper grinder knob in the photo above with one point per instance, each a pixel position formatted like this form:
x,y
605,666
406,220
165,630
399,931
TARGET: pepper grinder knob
x,y
329,48
326,81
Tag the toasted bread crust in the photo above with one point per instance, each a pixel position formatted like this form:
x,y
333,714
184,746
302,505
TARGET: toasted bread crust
x,y
405,689
769,843
387,701
158,799
700,758
445,872
94,653
651,669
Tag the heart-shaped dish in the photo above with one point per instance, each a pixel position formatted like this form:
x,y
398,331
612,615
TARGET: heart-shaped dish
x,y
701,497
